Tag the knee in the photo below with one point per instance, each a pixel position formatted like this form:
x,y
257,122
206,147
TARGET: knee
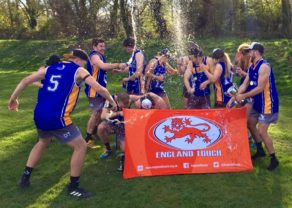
x,y
101,129
43,143
83,145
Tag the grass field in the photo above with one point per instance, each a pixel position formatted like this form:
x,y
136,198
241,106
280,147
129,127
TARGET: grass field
x,y
259,188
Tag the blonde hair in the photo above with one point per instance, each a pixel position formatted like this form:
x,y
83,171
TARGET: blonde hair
x,y
228,64
242,47
245,61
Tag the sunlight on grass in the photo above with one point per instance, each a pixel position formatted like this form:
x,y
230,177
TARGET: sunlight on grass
x,y
14,141
45,199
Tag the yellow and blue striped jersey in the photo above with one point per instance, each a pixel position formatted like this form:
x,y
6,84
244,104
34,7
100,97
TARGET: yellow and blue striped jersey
x,y
58,97
266,102
98,74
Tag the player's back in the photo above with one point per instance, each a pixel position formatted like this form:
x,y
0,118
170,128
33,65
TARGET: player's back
x,y
58,96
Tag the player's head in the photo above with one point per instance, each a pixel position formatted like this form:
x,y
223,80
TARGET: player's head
x,y
98,45
242,57
165,55
256,50
79,56
129,44
123,100
219,55
194,52
53,59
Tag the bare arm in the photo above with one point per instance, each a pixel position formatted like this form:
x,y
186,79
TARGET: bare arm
x,y
217,73
159,102
107,114
244,85
139,60
187,75
170,69
82,73
36,76
264,73
95,59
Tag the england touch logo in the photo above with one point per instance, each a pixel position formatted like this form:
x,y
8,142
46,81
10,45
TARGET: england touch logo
x,y
186,132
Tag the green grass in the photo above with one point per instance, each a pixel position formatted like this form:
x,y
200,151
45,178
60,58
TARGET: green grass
x,y
259,188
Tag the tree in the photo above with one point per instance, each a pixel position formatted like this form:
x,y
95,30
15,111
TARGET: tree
x,y
114,19
156,10
287,18
32,9
126,18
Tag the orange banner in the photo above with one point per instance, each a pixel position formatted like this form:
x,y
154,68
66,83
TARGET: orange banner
x,y
164,142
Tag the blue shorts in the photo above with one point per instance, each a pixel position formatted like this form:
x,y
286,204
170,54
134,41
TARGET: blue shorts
x,y
264,118
64,135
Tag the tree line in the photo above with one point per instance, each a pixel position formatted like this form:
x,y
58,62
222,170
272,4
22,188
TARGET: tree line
x,y
82,19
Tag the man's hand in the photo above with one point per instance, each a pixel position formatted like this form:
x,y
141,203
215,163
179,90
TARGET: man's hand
x,y
114,106
203,85
125,80
122,66
240,97
191,90
13,104
240,72
229,104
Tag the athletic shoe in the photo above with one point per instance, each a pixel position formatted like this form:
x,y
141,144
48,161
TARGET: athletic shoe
x,y
91,144
78,193
273,164
258,154
106,154
24,182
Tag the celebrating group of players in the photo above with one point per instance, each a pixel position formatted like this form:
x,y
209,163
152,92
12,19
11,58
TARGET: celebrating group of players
x,y
60,83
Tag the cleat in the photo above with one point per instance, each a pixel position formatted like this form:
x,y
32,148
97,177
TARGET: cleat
x,y
78,193
106,154
91,144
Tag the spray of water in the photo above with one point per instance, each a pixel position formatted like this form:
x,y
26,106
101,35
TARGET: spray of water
x,y
133,16
178,28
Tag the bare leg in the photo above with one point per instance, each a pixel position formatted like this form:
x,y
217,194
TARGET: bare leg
x,y
79,150
263,131
252,126
103,133
92,122
185,102
36,152
166,100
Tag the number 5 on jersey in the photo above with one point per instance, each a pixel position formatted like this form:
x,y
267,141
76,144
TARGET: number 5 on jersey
x,y
55,83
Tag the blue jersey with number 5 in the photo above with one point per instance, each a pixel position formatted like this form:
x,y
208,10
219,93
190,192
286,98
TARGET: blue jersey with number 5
x,y
57,98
